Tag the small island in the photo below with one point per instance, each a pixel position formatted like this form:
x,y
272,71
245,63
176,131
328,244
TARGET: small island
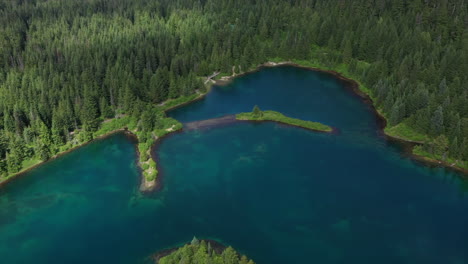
x,y
259,115
201,251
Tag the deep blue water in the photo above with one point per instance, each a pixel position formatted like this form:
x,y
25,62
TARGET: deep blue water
x,y
276,193
295,92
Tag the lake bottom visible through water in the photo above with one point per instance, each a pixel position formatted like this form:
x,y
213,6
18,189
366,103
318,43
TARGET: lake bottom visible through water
x,y
276,193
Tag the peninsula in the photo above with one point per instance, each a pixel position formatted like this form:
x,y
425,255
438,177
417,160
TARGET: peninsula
x,y
259,115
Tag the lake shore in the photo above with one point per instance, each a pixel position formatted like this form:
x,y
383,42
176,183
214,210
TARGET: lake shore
x,y
146,186
149,186
354,86
60,154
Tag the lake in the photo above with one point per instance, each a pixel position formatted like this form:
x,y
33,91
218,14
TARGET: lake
x,y
276,193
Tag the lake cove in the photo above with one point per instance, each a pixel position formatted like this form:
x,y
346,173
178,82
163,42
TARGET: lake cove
x,y
276,193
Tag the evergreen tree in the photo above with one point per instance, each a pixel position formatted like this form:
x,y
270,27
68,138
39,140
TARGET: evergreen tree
x,y
348,52
89,114
195,241
257,112
411,54
438,121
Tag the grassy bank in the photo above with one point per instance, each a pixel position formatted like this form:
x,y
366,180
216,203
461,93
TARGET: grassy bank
x,y
280,118
419,151
147,140
402,131
80,138
129,123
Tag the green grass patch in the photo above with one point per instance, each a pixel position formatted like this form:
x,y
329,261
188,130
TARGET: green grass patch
x,y
146,141
278,117
66,147
168,125
178,101
115,124
28,163
151,175
418,150
403,131
221,75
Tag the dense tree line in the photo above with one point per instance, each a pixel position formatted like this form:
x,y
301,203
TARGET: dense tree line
x,y
202,252
68,65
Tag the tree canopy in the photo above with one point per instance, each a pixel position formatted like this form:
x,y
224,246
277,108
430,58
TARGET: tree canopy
x,y
68,65
202,252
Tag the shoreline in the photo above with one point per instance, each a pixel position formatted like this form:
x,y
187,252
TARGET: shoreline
x,y
200,96
286,120
353,85
58,155
156,184
146,186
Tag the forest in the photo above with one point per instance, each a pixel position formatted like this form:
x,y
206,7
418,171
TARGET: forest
x,y
68,67
201,251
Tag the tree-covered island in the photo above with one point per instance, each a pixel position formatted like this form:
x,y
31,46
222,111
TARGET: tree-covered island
x,y
202,251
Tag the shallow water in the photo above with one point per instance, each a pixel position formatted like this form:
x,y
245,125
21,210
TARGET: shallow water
x,y
276,193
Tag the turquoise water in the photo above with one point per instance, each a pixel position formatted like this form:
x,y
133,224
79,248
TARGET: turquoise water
x,y
276,193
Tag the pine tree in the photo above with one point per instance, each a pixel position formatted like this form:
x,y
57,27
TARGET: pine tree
x,y
440,146
438,121
89,114
195,241
454,148
16,155
105,109
3,145
257,112
348,52
45,143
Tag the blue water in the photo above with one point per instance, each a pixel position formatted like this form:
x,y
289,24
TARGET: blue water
x,y
276,193
295,92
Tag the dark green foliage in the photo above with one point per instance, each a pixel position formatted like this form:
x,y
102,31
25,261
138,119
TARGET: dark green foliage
x,y
71,64
3,145
202,252
105,109
256,112
440,146
16,155
3,168
89,114
437,121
